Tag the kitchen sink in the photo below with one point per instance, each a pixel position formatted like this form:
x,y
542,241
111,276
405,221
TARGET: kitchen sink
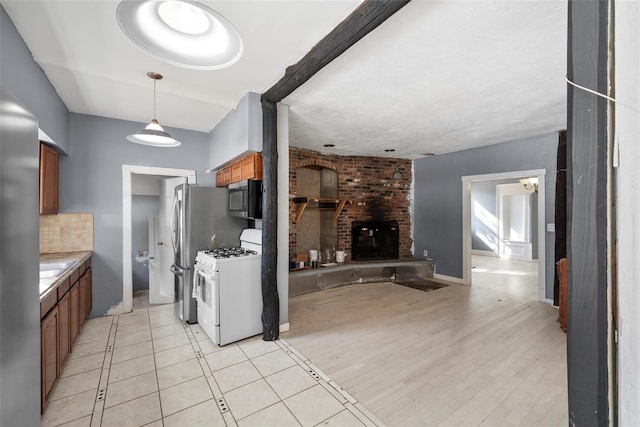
x,y
49,266
48,274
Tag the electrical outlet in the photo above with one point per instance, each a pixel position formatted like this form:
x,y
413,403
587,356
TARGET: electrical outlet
x,y
425,253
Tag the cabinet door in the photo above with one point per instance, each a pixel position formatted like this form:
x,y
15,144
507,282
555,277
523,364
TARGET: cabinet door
x,y
48,352
64,331
89,293
82,305
226,175
74,310
236,171
248,167
220,179
48,180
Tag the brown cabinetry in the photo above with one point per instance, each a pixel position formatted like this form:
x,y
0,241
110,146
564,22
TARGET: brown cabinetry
x,y
74,310
89,293
48,180
63,311
236,172
64,329
249,167
49,352
252,167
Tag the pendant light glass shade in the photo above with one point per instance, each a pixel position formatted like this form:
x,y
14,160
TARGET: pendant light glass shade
x,y
153,134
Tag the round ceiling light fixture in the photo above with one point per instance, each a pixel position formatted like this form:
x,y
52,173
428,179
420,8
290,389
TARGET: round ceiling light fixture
x,y
181,32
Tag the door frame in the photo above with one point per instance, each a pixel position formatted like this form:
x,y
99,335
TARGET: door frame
x,y
127,242
466,222
501,191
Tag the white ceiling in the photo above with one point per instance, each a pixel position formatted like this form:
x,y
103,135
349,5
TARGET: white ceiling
x,y
438,76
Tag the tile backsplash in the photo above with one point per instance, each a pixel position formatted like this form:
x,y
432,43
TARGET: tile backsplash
x,y
66,232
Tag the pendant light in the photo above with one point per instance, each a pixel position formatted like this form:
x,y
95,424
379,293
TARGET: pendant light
x,y
153,134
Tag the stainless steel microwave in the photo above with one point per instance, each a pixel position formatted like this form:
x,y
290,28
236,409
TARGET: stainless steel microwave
x,y
245,199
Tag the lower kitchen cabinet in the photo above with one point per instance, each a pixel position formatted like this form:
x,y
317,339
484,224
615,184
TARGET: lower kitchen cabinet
x,y
49,352
74,310
64,329
89,293
82,304
61,325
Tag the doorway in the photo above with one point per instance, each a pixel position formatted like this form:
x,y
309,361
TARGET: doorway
x,y
539,226
132,178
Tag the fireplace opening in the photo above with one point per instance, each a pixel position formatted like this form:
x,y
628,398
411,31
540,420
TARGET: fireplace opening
x,y
374,240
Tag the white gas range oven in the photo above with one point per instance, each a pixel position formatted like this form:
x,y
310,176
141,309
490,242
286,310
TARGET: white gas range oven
x,y
227,285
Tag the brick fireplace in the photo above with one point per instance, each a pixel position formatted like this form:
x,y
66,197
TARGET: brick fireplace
x,y
369,182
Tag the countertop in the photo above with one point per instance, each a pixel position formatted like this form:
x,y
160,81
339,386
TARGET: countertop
x,y
61,265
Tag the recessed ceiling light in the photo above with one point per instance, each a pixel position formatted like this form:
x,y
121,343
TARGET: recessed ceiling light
x,y
389,150
329,145
181,32
184,17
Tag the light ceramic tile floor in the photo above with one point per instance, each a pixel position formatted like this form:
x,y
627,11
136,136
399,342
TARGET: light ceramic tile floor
x,y
146,368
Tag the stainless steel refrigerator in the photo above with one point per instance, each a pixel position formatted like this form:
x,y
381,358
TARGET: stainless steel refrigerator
x,y
19,258
200,220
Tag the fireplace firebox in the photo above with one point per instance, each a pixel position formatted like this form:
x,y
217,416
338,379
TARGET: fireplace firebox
x,y
374,240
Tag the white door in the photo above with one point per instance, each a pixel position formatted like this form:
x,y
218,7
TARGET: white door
x,y
154,260
514,221
163,290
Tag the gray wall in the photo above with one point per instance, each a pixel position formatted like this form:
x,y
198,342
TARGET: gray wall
x,y
141,208
91,181
22,76
239,133
438,196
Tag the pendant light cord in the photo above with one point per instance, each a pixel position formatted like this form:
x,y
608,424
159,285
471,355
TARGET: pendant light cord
x,y
154,99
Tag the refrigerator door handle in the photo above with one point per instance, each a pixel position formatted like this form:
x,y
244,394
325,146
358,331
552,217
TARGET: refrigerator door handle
x,y
177,270
173,224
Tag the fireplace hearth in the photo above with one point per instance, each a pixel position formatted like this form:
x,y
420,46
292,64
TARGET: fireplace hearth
x,y
374,240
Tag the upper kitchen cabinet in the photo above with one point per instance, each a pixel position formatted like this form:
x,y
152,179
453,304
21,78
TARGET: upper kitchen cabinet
x,y
249,167
48,180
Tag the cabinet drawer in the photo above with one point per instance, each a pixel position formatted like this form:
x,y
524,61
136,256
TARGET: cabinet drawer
x,y
48,303
75,275
63,287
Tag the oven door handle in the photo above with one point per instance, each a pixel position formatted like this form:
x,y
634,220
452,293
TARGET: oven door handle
x,y
197,284
207,276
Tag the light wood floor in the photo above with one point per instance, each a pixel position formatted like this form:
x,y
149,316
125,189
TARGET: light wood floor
x,y
487,354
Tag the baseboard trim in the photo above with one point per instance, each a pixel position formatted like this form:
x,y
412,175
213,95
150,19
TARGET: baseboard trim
x,y
284,327
449,278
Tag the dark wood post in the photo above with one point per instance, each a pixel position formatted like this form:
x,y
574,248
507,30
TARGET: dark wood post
x,y
270,299
588,338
